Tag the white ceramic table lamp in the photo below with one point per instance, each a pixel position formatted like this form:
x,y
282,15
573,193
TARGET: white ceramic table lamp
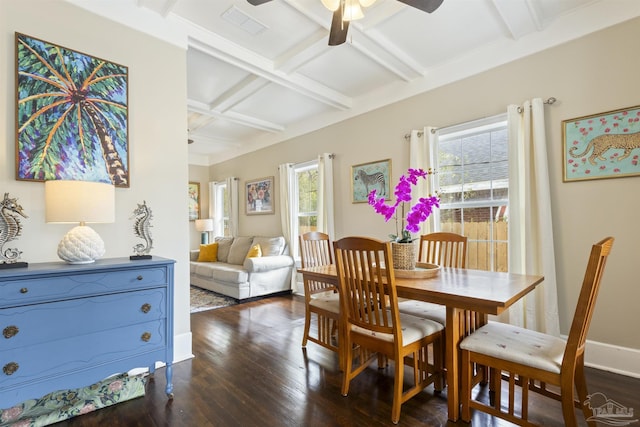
x,y
79,202
204,226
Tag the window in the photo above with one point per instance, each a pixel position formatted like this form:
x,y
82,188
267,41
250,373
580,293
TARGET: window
x,y
306,202
473,179
221,207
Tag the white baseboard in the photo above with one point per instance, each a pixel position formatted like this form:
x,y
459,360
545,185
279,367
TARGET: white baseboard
x,y
612,358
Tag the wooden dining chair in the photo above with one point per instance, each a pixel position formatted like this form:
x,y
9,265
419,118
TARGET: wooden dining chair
x,y
320,298
444,249
373,326
533,360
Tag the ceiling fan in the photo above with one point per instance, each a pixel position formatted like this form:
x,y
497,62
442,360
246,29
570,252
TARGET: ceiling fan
x,y
345,11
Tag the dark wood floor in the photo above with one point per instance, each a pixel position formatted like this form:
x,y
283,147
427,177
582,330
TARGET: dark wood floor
x,y
249,370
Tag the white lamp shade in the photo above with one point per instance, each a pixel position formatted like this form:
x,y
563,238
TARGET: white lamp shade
x,y
79,202
204,224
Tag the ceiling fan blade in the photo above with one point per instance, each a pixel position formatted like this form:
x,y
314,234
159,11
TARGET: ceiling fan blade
x,y
257,2
338,31
428,6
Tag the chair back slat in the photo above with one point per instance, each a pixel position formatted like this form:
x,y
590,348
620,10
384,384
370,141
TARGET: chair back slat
x,y
444,249
586,302
367,285
315,249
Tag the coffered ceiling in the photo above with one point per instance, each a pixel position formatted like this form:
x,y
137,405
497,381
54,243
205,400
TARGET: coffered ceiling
x,y
258,75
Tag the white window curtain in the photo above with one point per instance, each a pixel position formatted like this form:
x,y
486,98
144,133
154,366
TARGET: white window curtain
x,y
233,208
287,179
325,195
530,227
422,151
216,208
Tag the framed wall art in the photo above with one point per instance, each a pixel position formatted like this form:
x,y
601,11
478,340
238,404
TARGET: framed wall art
x,y
259,196
367,177
194,201
71,115
605,145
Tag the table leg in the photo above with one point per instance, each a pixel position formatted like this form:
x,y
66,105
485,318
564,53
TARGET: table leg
x,y
453,336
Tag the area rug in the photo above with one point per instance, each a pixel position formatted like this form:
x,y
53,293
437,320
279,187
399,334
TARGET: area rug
x,y
203,299
64,404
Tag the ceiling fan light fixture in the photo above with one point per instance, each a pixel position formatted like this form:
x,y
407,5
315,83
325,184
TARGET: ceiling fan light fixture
x,y
332,5
352,10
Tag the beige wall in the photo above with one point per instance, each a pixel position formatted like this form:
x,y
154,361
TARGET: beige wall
x,y
594,74
157,131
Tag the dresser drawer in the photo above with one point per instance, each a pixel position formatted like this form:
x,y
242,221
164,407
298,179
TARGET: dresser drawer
x,y
41,323
56,287
76,353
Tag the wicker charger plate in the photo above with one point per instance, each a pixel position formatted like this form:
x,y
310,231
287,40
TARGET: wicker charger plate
x,y
422,271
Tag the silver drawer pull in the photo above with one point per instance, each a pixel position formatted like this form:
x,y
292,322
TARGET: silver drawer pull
x,y
10,368
145,308
10,331
24,290
146,336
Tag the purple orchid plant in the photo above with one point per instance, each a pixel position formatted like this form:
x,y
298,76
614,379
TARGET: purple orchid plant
x,y
418,213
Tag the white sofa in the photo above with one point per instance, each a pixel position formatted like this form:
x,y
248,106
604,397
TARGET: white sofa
x,y
240,277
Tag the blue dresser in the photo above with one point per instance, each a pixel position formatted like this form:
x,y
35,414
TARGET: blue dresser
x,y
68,326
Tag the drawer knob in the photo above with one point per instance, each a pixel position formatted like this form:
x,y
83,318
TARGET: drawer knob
x,y
10,331
146,336
139,277
10,368
145,308
24,290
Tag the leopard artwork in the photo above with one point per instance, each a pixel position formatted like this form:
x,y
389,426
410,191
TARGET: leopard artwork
x,y
600,144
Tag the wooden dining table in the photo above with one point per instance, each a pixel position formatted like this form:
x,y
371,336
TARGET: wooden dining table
x,y
462,291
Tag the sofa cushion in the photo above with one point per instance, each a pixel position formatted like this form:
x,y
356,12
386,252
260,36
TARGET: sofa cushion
x,y
239,249
208,253
270,245
254,252
224,244
223,272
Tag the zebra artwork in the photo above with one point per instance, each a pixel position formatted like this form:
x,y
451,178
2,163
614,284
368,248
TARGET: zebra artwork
x,y
371,180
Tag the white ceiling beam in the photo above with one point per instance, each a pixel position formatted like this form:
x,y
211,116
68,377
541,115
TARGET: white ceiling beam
x,y
163,7
302,53
380,51
248,86
520,17
227,51
241,119
197,120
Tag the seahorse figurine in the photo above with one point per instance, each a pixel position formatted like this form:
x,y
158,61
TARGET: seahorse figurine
x,y
10,228
142,215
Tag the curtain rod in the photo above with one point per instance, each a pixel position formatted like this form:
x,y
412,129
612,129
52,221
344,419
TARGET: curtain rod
x,y
549,101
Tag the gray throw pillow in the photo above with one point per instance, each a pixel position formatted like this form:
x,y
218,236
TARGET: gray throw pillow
x,y
224,244
239,249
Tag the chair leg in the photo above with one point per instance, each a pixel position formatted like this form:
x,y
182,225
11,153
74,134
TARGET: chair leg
x,y
568,409
465,391
307,325
347,362
397,390
581,388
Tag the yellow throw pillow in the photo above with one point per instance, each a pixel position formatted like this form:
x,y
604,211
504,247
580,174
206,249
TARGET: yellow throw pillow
x,y
254,252
208,253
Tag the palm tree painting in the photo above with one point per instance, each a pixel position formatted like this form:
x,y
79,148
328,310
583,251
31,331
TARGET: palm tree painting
x,y
71,115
